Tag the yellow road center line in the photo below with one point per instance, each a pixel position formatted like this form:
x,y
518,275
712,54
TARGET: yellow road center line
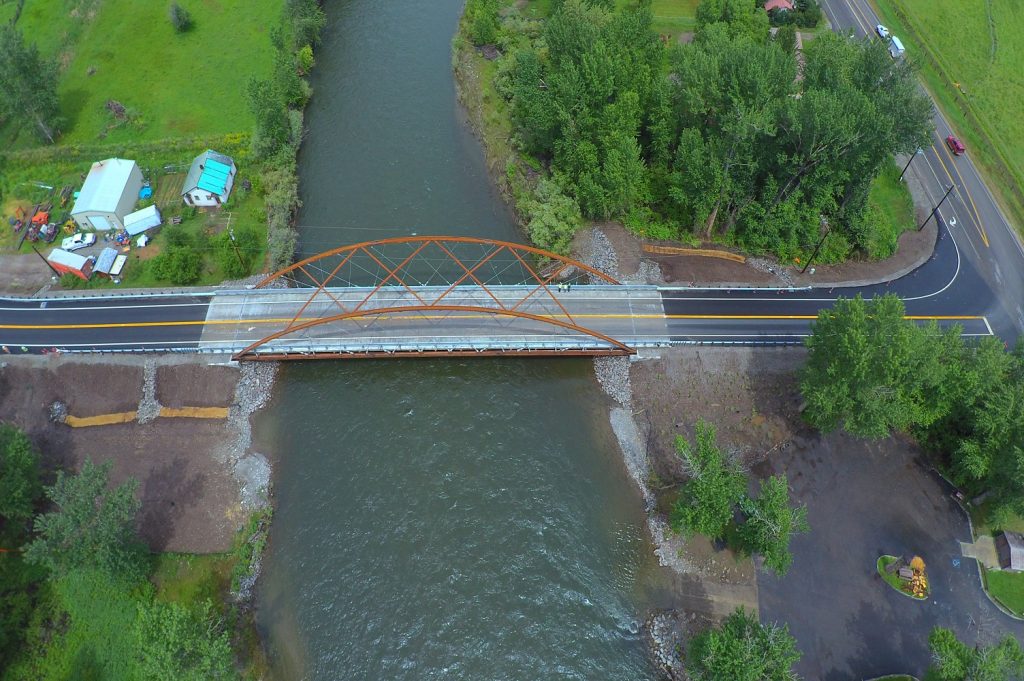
x,y
413,315
961,187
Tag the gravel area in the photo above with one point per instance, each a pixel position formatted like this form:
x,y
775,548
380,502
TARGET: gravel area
x,y
148,408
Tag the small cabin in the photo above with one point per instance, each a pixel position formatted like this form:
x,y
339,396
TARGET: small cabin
x,y
209,180
1010,551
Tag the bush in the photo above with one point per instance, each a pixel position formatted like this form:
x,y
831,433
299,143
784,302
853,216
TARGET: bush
x,y
483,21
236,255
180,265
304,57
181,20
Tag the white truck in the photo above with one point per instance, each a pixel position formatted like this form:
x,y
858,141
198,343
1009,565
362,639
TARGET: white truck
x,y
896,49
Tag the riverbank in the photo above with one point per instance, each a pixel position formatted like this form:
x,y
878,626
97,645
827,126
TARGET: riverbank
x,y
181,428
481,75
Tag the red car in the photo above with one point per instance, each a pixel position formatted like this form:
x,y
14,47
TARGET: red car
x,y
955,145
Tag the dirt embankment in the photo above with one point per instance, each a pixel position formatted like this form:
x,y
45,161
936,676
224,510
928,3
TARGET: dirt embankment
x,y
196,477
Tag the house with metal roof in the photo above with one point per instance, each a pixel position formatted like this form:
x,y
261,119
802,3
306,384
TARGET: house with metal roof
x,y
110,191
209,180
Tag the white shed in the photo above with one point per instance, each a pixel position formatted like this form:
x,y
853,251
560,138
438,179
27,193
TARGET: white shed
x,y
141,220
209,180
108,195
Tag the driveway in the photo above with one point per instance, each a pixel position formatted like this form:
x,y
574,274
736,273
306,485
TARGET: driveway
x,y
865,499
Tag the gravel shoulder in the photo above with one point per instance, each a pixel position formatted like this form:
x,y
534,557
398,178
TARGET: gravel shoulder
x,y
198,478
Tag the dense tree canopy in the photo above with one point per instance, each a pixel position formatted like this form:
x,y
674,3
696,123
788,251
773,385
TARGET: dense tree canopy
x,y
91,528
871,371
956,661
725,138
28,85
743,649
19,474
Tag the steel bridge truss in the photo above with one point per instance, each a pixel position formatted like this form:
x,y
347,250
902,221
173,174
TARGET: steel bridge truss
x,y
453,296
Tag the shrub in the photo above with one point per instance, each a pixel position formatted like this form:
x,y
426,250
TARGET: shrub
x,y
181,20
19,474
180,265
305,58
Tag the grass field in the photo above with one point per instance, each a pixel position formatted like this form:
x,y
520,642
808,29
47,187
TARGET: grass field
x,y
980,47
890,201
177,84
1008,588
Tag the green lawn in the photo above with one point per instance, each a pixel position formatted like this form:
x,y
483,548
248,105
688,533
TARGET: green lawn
x,y
890,203
1007,588
189,579
176,84
979,46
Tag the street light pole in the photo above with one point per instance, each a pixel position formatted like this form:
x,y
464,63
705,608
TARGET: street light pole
x,y
935,210
912,157
231,233
815,251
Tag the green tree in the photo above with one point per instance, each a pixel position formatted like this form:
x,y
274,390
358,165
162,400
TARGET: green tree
x,y
91,528
771,522
181,20
180,265
955,661
871,370
742,649
19,474
483,21
28,85
716,485
176,643
236,250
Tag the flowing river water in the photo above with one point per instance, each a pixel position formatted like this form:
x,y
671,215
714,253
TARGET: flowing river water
x,y
435,519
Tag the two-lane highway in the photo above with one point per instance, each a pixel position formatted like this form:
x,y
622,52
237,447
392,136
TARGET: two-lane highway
x,y
986,238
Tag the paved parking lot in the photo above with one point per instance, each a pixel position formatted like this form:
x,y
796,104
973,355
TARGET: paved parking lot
x,y
865,499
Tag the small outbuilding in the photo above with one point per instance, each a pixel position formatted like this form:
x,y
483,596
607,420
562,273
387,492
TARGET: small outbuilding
x,y
784,5
141,220
109,194
105,262
209,180
1010,550
67,262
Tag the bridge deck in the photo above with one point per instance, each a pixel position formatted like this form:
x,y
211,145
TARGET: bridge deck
x,y
632,315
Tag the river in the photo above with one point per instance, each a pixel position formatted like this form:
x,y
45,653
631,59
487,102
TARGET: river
x,y
435,519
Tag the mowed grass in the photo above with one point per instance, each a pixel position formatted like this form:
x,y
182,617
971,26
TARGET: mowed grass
x,y
1008,588
177,84
980,47
895,208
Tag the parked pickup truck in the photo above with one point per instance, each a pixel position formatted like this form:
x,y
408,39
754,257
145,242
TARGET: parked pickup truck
x,y
80,240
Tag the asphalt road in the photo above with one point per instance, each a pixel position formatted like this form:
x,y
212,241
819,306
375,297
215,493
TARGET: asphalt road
x,y
975,278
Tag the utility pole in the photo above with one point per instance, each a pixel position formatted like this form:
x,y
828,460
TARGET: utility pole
x,y
821,242
41,257
912,157
231,233
935,210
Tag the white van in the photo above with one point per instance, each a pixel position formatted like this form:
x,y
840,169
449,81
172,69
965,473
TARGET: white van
x,y
895,47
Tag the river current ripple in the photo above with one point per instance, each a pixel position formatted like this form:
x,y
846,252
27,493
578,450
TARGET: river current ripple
x,y
442,519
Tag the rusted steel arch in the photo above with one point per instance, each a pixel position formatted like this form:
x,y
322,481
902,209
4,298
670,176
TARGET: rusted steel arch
x,y
513,248
616,347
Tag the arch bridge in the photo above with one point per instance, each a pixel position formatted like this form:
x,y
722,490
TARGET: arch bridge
x,y
429,296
